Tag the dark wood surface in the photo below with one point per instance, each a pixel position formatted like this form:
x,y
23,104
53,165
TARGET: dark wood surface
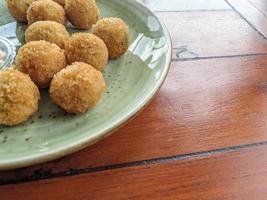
x,y
228,175
204,136
205,34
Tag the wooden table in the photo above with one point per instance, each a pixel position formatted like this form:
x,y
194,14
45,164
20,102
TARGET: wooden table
x,y
203,137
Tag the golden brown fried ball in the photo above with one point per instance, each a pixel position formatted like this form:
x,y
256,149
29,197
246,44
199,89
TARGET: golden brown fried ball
x,y
18,97
115,33
82,13
18,9
77,88
88,48
49,31
61,2
42,10
41,60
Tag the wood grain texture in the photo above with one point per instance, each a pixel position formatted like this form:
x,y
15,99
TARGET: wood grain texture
x,y
185,5
238,175
209,34
203,105
254,12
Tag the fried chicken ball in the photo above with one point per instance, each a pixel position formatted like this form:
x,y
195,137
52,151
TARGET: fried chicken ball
x,y
88,48
18,9
49,31
42,10
18,97
82,13
77,88
115,33
61,2
41,60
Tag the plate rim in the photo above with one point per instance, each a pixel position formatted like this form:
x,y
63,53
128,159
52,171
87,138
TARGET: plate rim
x,y
73,147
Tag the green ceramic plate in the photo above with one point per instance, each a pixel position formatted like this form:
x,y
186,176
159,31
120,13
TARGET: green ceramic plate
x,y
132,81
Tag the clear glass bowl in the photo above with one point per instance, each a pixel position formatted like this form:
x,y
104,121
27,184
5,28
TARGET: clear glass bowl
x,y
9,50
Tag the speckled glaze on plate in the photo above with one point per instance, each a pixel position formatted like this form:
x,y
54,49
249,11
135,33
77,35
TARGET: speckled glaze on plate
x,y
132,81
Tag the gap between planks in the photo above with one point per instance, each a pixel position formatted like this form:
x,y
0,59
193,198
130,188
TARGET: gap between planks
x,y
73,172
184,11
216,57
244,18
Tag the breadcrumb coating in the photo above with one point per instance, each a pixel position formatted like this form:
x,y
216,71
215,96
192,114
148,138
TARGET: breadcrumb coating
x,y
77,88
49,31
42,10
82,13
115,33
61,2
19,97
88,48
18,9
41,60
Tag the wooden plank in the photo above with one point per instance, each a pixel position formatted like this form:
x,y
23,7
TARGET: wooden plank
x,y
185,5
209,34
254,11
232,175
203,105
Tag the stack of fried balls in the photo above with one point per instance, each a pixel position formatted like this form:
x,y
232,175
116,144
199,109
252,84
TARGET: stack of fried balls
x,y
70,66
